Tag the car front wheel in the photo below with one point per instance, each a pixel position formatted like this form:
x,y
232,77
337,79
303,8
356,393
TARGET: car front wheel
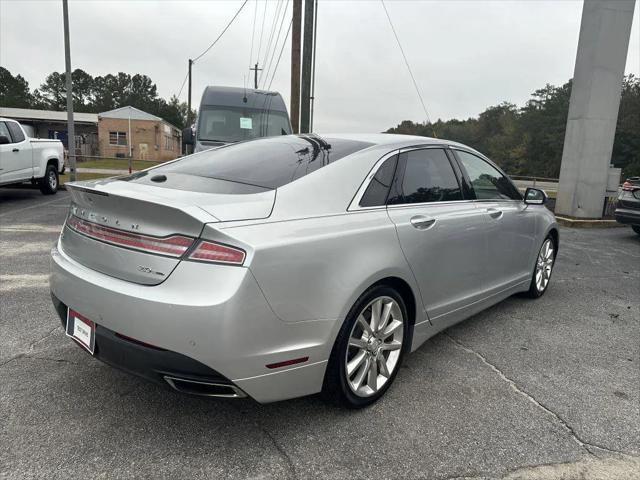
x,y
543,268
369,349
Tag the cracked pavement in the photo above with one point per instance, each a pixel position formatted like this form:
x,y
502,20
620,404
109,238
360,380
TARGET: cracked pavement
x,y
545,389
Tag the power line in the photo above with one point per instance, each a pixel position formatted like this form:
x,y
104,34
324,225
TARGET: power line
x,y
222,33
274,22
276,16
275,44
264,16
415,84
280,56
253,32
183,83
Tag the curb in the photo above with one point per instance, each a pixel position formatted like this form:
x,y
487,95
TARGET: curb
x,y
587,223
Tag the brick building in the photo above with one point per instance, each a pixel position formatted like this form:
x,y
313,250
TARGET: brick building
x,y
105,134
152,138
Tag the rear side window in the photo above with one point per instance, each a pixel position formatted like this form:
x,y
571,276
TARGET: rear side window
x,y
378,189
428,177
487,182
267,162
16,132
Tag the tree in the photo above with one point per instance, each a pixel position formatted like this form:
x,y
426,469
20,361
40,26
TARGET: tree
x,y
52,94
626,146
544,119
82,90
121,90
174,112
105,94
530,140
14,91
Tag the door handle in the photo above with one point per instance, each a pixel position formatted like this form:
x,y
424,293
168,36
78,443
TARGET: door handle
x,y
15,150
494,213
421,222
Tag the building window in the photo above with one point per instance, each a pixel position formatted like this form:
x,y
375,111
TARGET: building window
x,y
168,142
118,138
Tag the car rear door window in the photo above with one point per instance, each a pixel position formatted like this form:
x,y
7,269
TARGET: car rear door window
x,y
487,182
428,177
16,132
4,131
378,189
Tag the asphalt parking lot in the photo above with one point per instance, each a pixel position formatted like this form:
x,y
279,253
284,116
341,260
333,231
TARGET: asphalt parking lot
x,y
526,390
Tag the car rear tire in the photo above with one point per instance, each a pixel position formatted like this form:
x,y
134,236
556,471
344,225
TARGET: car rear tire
x,y
543,268
636,228
369,349
49,183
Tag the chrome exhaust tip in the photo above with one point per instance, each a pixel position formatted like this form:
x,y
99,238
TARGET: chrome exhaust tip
x,y
204,389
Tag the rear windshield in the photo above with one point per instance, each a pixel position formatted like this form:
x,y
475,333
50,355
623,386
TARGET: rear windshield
x,y
265,163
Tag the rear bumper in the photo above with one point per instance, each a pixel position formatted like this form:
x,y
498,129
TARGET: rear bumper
x,y
211,321
157,365
627,216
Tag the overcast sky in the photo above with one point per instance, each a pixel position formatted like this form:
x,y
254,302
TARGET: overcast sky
x,y
466,55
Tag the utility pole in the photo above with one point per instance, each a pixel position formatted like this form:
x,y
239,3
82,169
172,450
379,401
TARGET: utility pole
x,y
307,58
189,101
295,65
129,137
313,66
71,134
255,70
130,144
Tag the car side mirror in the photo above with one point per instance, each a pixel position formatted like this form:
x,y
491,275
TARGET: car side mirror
x,y
4,140
535,196
187,136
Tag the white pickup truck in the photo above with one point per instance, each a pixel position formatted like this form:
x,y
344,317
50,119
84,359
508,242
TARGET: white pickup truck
x,y
24,159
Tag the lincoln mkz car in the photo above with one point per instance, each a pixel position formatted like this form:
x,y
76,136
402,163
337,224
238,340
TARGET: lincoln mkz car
x,y
287,266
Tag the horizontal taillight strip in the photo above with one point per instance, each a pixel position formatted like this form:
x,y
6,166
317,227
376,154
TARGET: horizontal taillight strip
x,y
173,246
217,253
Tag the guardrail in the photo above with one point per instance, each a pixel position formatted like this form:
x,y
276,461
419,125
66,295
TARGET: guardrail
x,y
534,179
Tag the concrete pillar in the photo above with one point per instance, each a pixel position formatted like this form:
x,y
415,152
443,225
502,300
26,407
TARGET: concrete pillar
x,y
593,111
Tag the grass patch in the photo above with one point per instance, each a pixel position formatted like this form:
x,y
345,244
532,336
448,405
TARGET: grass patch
x,y
83,176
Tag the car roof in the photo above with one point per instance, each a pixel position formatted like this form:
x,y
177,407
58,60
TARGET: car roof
x,y
234,97
330,190
394,140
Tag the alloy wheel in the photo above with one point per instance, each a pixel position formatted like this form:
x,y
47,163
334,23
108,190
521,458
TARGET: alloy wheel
x,y
544,264
53,180
374,348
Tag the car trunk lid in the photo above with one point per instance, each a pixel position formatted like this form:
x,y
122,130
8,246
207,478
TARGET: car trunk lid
x,y
139,232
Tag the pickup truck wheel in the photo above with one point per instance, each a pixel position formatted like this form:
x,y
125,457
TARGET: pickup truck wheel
x,y
49,183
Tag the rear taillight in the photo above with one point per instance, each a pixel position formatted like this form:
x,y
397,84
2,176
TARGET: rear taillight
x,y
628,187
172,246
217,253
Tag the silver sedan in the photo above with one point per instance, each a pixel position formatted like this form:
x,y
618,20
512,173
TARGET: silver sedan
x,y
293,265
